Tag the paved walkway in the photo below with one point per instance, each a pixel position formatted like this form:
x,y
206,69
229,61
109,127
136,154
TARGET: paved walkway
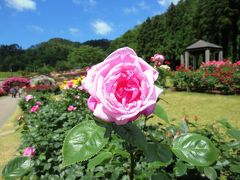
x,y
8,106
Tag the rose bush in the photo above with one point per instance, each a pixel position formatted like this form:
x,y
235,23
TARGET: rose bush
x,y
13,81
214,76
77,145
121,87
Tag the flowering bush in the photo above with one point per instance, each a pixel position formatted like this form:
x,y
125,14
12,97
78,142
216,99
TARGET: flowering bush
x,y
71,83
42,88
77,145
220,76
19,81
45,131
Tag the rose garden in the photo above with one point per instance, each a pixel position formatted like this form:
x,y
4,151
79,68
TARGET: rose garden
x,y
109,123
120,90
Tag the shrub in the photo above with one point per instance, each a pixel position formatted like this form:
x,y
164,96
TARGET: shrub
x,y
42,88
14,81
222,76
46,129
163,74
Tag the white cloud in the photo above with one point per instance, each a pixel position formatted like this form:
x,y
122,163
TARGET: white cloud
x,y
130,10
167,2
74,31
35,28
21,5
85,2
101,27
143,5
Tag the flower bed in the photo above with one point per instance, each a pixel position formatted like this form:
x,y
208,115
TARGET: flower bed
x,y
77,136
14,81
215,76
42,88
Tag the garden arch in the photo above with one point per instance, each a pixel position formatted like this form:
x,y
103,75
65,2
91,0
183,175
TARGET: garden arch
x,y
14,81
200,47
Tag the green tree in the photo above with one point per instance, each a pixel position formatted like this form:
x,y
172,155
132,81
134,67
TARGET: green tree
x,y
85,56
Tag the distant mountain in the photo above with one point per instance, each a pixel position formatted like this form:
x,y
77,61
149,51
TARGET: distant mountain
x,y
101,43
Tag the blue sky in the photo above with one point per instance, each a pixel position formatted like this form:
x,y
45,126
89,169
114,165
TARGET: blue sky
x,y
28,22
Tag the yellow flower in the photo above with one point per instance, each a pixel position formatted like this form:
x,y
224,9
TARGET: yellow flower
x,y
75,82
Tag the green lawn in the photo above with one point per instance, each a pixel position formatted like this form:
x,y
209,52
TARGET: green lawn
x,y
4,75
9,140
207,107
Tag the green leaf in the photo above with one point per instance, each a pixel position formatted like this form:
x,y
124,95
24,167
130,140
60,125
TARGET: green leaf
x,y
99,159
210,173
225,123
195,149
234,133
131,134
180,169
82,142
121,153
235,168
159,112
158,152
160,176
17,167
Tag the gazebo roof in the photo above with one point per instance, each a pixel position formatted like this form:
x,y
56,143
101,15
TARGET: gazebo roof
x,y
200,44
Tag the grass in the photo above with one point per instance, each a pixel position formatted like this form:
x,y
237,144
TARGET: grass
x,y
207,107
9,139
4,75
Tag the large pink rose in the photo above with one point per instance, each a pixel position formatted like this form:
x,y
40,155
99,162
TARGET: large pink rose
x,y
121,87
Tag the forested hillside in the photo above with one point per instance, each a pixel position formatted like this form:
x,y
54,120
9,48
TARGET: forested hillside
x,y
57,53
216,21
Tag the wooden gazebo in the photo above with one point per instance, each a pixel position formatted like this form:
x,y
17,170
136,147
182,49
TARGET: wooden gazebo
x,y
200,47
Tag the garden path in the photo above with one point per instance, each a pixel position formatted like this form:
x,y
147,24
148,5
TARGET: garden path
x,y
8,106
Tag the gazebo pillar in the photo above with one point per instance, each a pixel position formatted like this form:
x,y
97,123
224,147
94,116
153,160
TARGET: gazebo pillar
x,y
186,59
207,55
194,62
182,59
220,55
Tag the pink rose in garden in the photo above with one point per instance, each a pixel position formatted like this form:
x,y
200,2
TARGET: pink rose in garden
x,y
72,108
28,97
121,87
158,57
29,152
34,108
39,103
70,84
